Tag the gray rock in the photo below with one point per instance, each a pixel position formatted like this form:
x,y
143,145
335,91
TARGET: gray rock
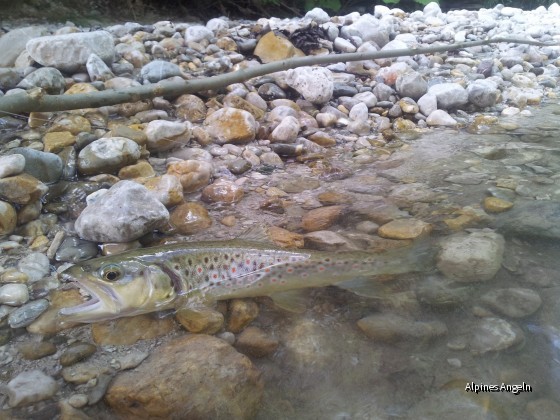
x,y
11,165
197,33
483,93
473,257
74,250
383,92
124,213
46,167
432,9
47,78
467,178
76,352
494,334
532,219
70,52
411,85
14,294
158,70
9,78
427,104
107,155
515,302
286,131
216,25
36,265
26,314
13,43
315,84
30,387
367,98
449,95
97,69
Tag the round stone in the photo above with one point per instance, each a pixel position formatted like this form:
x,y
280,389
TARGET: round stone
x,y
189,218
107,155
14,294
193,174
222,191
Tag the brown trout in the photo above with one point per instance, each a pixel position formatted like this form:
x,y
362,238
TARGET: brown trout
x,y
170,276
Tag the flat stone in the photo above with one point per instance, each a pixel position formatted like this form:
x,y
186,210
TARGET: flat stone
x,y
496,205
390,328
273,47
29,387
200,320
321,218
32,350
231,125
494,334
532,219
515,302
56,141
76,352
26,314
107,155
69,52
127,331
404,229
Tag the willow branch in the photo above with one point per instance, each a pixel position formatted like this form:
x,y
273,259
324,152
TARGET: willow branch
x,y
24,102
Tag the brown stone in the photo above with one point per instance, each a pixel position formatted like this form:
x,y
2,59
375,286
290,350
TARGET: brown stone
x,y
202,319
321,218
222,191
56,141
255,342
322,139
189,218
238,102
241,313
331,197
8,218
404,229
496,205
50,322
193,377
140,169
166,188
73,123
21,189
231,125
274,47
190,108
136,135
32,350
127,331
193,174
285,238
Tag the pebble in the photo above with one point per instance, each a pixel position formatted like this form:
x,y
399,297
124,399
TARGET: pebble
x,y
241,313
255,342
107,155
284,238
286,131
126,212
449,95
127,331
76,352
31,350
231,125
200,320
8,218
514,302
473,257
35,265
222,191
11,165
167,189
189,218
74,250
325,240
14,294
496,205
166,135
193,174
390,328
315,84
321,218
273,47
22,189
494,334
439,118
30,387
404,229
27,313
141,169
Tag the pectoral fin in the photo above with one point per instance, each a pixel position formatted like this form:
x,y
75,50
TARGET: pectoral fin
x,y
362,286
291,300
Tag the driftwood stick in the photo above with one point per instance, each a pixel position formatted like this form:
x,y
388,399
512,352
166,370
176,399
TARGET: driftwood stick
x,y
37,101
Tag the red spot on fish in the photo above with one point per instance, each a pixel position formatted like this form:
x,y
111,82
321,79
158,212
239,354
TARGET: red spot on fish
x,y
215,276
273,280
267,270
247,262
199,270
290,270
233,269
321,268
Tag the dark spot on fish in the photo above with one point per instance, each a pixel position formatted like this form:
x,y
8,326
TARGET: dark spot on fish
x,y
226,257
211,267
176,266
189,261
187,272
216,259
206,260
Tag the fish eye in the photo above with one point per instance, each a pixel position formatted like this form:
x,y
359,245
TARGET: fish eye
x,y
111,272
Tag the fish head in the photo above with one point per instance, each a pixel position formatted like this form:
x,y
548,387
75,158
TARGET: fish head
x,y
118,288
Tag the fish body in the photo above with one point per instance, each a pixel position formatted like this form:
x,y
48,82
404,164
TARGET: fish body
x,y
153,279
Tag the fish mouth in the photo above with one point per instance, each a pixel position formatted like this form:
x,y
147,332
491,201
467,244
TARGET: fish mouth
x,y
96,304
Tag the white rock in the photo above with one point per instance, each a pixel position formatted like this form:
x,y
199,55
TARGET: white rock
x,y
286,131
440,118
369,28
367,98
432,9
315,84
470,258
380,10
107,155
216,25
36,265
12,44
11,165
197,33
318,15
343,45
510,110
165,135
427,104
70,52
97,69
14,294
359,112
449,95
125,213
29,387
158,70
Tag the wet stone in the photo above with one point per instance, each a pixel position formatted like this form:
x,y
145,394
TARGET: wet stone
x,y
193,174
543,409
404,229
321,218
467,178
30,387
255,342
127,331
496,205
166,135
239,166
167,189
241,313
494,334
35,266
189,218
514,302
532,219
22,189
390,328
47,78
222,191
441,293
26,314
231,125
8,218
76,352
46,167
107,155
325,240
31,350
14,294
200,320
198,376
284,238
11,165
74,250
